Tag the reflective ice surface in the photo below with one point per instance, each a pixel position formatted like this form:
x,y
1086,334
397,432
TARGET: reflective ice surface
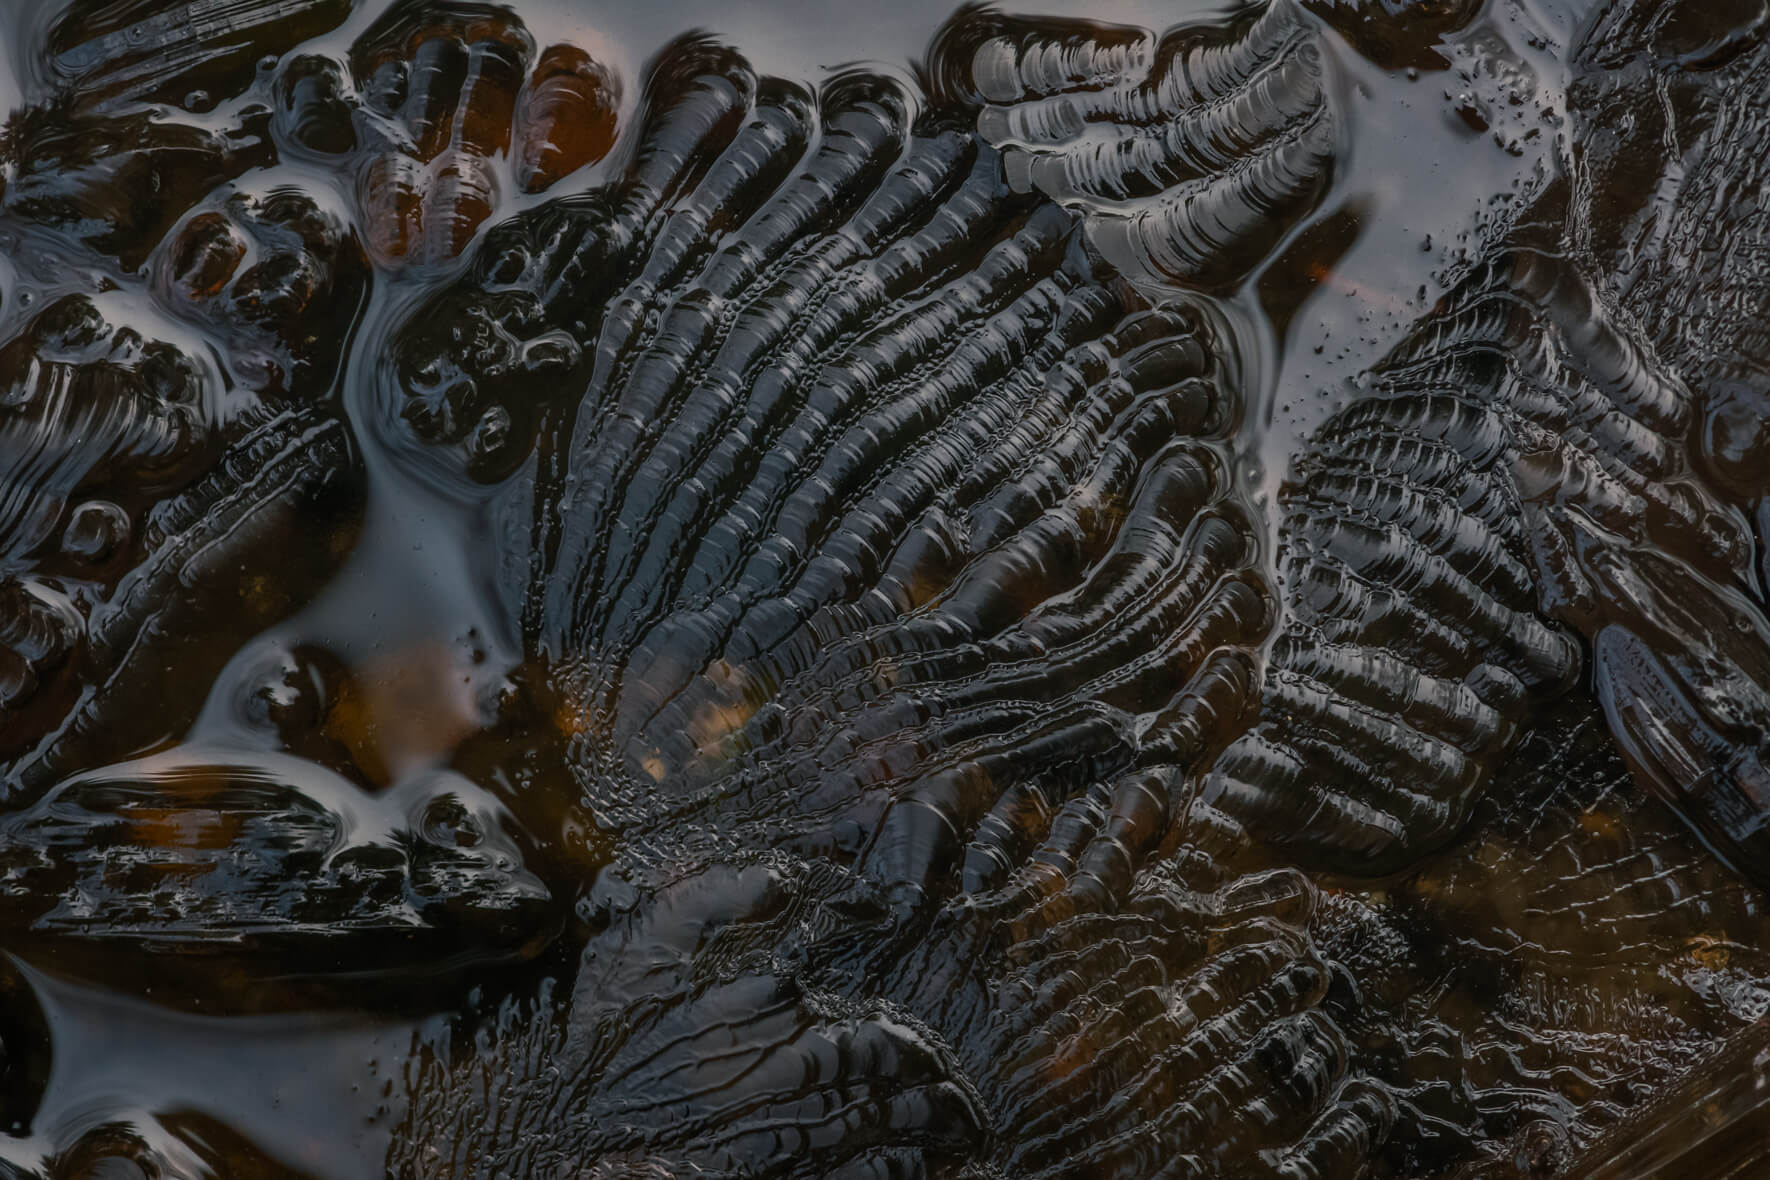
x,y
645,591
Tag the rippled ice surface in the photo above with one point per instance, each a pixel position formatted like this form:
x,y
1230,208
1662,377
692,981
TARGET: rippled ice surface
x,y
687,589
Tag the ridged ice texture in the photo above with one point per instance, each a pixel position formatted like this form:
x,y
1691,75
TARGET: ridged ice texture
x,y
1513,477
1677,219
107,156
685,1049
1684,235
114,54
1580,868
1682,669
1530,987
86,400
440,98
441,102
265,856
1119,1022
85,404
872,508
711,1031
118,182
39,631
1712,1124
1705,261
565,117
861,514
1189,158
209,567
870,524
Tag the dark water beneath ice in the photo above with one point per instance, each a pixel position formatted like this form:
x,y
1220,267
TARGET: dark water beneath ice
x,y
1249,654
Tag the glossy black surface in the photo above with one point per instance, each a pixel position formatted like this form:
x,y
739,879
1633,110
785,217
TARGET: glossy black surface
x,y
605,594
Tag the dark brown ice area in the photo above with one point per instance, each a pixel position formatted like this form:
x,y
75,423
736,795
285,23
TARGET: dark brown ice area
x,y
905,590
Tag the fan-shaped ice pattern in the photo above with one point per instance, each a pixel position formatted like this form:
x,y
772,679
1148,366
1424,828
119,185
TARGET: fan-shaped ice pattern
x,y
1189,157
894,680
1670,98
887,532
1191,1038
685,1049
1515,476
874,509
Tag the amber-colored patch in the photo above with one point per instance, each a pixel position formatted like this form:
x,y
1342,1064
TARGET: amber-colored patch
x,y
1708,950
405,709
1600,823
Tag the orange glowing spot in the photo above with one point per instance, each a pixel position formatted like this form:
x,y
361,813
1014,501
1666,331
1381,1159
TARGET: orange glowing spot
x,y
570,721
1706,950
1600,823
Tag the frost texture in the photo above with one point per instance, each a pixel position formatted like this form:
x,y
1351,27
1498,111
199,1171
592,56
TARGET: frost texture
x,y
1189,157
